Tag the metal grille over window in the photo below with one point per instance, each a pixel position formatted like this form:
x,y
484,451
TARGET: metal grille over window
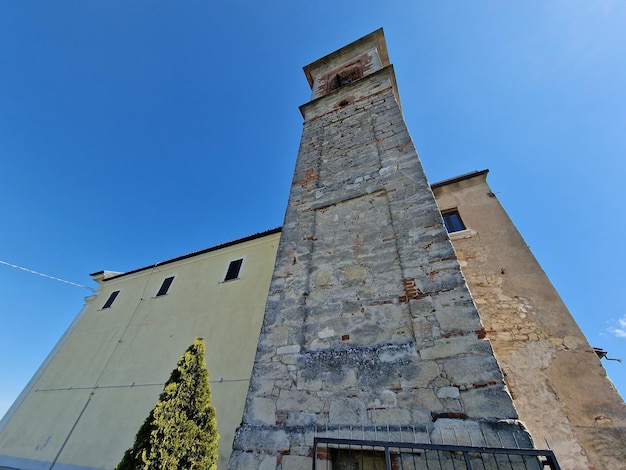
x,y
111,299
167,282
352,454
233,270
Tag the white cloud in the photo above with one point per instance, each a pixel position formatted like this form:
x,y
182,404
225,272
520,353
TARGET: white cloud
x,y
621,331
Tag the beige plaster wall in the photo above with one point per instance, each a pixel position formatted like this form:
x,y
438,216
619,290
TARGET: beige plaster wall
x,y
559,386
90,400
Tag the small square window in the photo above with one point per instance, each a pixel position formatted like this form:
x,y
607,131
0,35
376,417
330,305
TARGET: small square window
x,y
167,282
453,221
111,299
233,270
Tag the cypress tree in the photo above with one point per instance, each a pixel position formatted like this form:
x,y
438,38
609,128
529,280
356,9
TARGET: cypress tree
x,y
181,430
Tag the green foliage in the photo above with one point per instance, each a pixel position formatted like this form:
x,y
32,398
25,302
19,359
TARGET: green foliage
x,y
181,430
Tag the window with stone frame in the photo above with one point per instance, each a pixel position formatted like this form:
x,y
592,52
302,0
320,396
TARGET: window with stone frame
x,y
452,220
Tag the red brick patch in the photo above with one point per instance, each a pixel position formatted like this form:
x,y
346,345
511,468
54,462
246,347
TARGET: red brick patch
x,y
411,291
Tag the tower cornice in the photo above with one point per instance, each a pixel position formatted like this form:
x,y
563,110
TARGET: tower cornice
x,y
375,39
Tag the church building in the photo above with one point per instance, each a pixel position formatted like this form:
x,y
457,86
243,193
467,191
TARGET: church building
x,y
390,323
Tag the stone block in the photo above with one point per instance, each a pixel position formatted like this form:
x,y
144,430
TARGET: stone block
x,y
418,375
262,411
263,387
472,370
272,370
448,392
350,411
456,432
260,438
454,318
440,382
423,331
296,462
506,433
289,360
300,450
298,401
420,398
311,384
422,307
448,347
389,398
348,379
298,418
267,462
251,461
391,416
488,402
278,335
422,417
326,333
397,355
452,405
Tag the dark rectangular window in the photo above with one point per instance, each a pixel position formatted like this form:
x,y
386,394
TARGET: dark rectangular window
x,y
167,282
233,270
111,299
453,221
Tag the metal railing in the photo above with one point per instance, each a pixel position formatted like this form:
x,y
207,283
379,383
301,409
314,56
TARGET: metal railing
x,y
353,454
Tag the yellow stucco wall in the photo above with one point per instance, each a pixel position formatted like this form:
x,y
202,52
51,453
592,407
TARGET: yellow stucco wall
x,y
107,374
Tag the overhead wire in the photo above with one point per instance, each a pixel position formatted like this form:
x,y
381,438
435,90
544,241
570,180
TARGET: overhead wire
x,y
46,275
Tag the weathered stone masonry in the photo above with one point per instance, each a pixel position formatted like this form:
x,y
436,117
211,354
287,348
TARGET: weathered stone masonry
x,y
369,323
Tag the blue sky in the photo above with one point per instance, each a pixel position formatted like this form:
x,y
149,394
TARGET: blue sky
x,y
136,131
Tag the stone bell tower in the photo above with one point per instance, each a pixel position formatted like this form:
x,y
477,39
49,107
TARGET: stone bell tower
x,y
369,325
